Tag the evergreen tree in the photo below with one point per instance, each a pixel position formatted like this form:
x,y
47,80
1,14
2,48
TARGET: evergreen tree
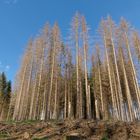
x,y
3,83
5,95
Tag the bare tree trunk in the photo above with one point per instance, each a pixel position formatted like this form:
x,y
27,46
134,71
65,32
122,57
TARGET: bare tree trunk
x,y
18,98
133,70
89,100
129,99
96,108
117,99
70,110
81,100
44,101
110,79
31,112
65,101
69,95
69,103
76,28
136,42
84,30
77,71
100,82
118,80
23,109
51,82
39,85
55,101
28,89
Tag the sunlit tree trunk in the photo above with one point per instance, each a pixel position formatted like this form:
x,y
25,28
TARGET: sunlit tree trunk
x,y
65,100
129,99
23,109
19,95
77,63
55,100
110,78
136,42
85,45
133,70
97,109
51,82
55,53
32,109
116,69
70,110
124,27
81,73
100,80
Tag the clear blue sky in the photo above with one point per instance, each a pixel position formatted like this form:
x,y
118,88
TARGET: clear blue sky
x,y
22,19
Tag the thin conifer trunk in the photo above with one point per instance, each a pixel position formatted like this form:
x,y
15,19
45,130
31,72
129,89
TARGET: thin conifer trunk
x,y
39,86
55,101
51,81
31,112
110,78
100,82
77,65
84,30
118,79
18,99
133,70
23,110
129,99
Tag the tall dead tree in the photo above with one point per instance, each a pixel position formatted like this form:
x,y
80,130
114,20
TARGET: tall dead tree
x,y
125,29
85,48
111,26
105,37
76,41
59,82
21,88
100,80
136,43
129,99
55,47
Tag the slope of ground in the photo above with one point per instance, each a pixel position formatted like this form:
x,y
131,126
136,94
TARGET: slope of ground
x,y
83,129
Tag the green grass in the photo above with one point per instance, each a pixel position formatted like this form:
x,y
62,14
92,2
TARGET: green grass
x,y
4,136
29,122
21,122
105,138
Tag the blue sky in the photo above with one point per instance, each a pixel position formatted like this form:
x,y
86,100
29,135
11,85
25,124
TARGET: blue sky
x,y
22,19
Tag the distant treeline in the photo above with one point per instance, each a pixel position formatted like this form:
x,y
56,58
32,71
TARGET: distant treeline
x,y
5,95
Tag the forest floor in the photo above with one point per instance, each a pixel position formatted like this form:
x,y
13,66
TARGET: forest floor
x,y
68,129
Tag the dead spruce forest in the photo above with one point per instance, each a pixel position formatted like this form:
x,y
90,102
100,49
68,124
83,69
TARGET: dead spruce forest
x,y
85,77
